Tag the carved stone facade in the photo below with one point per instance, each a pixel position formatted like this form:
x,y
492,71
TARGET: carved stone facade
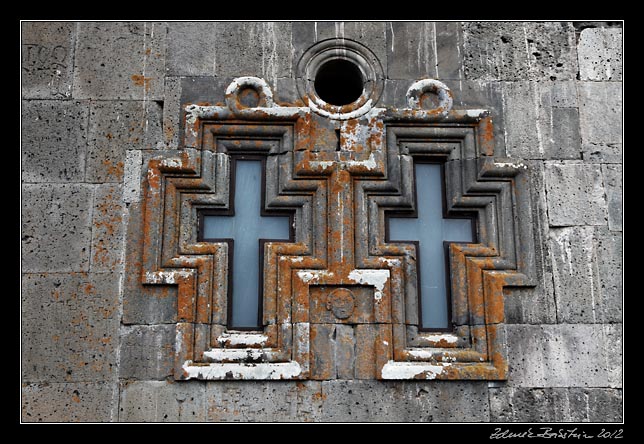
x,y
340,301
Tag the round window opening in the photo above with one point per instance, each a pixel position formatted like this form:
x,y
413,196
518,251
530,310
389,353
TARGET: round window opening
x,y
339,82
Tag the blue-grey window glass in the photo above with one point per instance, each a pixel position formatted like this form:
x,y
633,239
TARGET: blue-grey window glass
x,y
246,227
430,229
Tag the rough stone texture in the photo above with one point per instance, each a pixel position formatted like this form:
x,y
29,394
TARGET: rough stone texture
x,y
600,114
159,401
600,54
519,51
147,351
264,401
230,49
69,402
56,227
368,401
576,194
54,140
587,275
535,305
565,355
107,229
424,49
555,405
119,60
144,304
116,127
47,59
613,184
69,327
99,99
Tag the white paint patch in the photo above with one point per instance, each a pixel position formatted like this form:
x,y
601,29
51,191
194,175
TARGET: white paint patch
x,y
171,163
444,337
370,163
243,339
410,370
234,354
510,165
377,278
312,276
283,370
165,277
390,262
476,113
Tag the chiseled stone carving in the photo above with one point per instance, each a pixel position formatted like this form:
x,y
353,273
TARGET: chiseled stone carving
x,y
339,302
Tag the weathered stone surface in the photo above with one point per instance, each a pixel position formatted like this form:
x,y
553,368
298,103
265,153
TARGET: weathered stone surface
x,y
147,351
586,266
54,141
119,60
143,304
418,50
47,59
69,327
162,401
370,34
116,127
575,194
70,402
535,305
56,227
521,111
600,113
369,401
230,49
107,229
565,355
519,51
172,113
510,404
613,184
264,401
600,54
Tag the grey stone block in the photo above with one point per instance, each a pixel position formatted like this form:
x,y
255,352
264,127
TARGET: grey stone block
x,y
580,255
149,304
510,404
600,54
54,141
107,229
147,351
613,183
521,115
383,401
558,124
56,227
600,113
162,401
264,401
519,51
69,327
70,402
565,355
116,127
562,94
475,94
47,59
370,34
230,49
120,61
535,305
575,194
172,113
418,50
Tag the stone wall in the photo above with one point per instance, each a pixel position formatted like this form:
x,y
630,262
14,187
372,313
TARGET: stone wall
x,y
98,98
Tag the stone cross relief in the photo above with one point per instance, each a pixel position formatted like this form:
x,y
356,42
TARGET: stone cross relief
x,y
339,290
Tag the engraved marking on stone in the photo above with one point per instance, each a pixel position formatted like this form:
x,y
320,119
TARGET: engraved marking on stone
x,y
341,302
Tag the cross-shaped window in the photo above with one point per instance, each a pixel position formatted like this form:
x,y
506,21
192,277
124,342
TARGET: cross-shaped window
x,y
246,227
430,231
